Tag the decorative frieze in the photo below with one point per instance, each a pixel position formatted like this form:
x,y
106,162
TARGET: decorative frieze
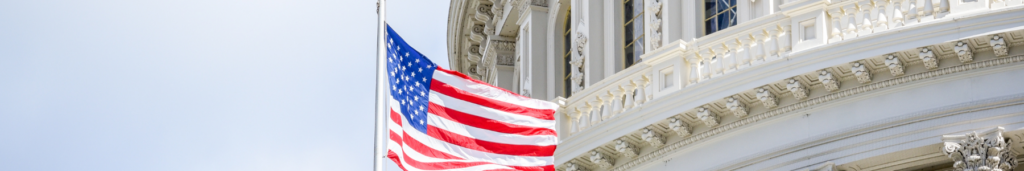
x,y
677,125
963,51
999,46
766,97
626,149
600,159
928,58
828,80
707,116
652,137
736,106
894,64
861,72
796,88
986,151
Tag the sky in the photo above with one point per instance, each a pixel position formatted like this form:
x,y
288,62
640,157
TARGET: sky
x,y
199,85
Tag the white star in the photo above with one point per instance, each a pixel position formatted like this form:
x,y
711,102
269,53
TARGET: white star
x,y
417,60
406,54
423,94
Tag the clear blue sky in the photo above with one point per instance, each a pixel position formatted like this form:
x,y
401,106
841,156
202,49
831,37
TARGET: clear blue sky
x,y
248,85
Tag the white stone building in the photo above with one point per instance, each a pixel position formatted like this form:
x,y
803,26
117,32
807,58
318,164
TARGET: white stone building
x,y
760,84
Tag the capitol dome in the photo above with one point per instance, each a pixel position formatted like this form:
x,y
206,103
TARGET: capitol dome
x,y
803,85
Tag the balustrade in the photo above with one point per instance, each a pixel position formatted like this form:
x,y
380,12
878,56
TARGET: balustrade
x,y
746,45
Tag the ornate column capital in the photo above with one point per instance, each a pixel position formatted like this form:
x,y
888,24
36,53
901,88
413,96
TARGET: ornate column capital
x,y
987,150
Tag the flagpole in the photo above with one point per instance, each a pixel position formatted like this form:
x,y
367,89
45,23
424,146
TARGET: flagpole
x,y
380,107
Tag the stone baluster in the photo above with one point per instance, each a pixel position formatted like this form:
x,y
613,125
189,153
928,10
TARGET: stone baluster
x,y
927,11
629,101
866,26
594,106
741,54
850,13
714,62
898,19
584,116
756,52
618,93
881,20
694,69
705,67
785,45
725,59
836,33
606,105
912,16
770,43
943,7
641,90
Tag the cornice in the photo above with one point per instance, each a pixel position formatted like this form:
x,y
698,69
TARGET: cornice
x,y
663,152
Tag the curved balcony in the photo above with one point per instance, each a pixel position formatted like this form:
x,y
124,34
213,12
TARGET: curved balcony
x,y
679,88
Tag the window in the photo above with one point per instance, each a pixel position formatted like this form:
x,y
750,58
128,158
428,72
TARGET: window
x,y
567,56
718,15
633,29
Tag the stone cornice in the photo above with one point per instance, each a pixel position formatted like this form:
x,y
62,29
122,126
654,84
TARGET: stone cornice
x,y
663,152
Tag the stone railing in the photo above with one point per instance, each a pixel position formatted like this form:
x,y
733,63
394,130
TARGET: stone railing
x,y
748,44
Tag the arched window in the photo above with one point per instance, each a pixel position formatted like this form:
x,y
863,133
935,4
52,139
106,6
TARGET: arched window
x,y
718,15
567,56
633,30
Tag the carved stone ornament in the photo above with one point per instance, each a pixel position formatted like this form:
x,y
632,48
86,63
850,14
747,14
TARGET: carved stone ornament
x,y
652,137
707,116
894,64
989,151
828,80
766,97
601,160
736,106
928,58
577,63
999,46
795,87
626,149
575,167
861,72
655,8
677,125
963,51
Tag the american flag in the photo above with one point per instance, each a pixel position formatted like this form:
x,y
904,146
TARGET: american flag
x,y
444,120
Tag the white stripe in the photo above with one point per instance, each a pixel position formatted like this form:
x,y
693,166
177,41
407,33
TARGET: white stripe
x,y
489,113
425,159
473,155
488,135
491,92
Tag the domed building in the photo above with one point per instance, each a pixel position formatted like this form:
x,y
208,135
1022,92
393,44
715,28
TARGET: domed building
x,y
760,84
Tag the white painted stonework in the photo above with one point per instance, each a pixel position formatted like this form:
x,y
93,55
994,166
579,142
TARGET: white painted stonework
x,y
809,85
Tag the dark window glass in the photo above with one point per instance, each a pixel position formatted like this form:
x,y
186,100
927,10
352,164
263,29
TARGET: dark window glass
x,y
719,14
567,56
633,31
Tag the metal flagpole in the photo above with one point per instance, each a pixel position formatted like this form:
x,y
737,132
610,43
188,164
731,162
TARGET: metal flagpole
x,y
380,107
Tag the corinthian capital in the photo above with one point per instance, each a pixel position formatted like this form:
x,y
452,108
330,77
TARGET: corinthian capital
x,y
987,150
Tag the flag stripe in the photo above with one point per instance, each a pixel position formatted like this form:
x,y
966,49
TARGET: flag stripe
x,y
443,88
490,147
470,154
480,88
493,114
488,135
485,123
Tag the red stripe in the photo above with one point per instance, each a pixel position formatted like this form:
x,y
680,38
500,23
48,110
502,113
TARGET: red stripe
x,y
465,77
440,165
395,117
484,123
490,147
394,137
426,150
394,158
443,88
538,168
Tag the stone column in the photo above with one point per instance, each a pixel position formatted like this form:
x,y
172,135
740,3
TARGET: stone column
x,y
987,150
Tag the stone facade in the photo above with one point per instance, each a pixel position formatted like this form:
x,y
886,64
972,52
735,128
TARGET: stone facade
x,y
791,85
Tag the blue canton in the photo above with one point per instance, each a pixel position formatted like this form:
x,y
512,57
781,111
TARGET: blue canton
x,y
410,74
